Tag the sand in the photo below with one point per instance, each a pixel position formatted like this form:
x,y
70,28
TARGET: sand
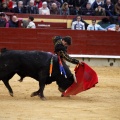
x,y
99,103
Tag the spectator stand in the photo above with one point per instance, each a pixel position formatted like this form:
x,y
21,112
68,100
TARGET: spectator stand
x,y
57,18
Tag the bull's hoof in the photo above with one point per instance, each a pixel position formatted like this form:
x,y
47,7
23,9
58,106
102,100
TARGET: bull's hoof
x,y
11,94
64,96
34,94
42,98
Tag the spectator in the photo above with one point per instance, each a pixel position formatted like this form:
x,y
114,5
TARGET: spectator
x,y
38,3
64,10
31,23
4,8
77,24
105,22
113,20
9,4
109,8
117,8
91,1
24,23
114,1
81,3
44,10
2,20
54,9
26,2
97,3
103,2
19,8
49,3
100,11
31,8
14,4
110,26
76,11
88,11
57,3
13,22
95,26
71,5
85,23
116,28
61,2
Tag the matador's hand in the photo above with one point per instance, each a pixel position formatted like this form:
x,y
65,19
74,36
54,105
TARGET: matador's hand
x,y
80,63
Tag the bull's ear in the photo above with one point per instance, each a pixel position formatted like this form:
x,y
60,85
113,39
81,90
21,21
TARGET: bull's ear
x,y
3,50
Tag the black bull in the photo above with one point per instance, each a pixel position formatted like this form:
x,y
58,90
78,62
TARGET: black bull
x,y
35,64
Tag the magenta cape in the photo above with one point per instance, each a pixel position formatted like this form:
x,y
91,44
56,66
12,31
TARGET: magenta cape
x,y
86,79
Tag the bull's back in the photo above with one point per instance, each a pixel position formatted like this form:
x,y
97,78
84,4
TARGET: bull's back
x,y
29,62
37,59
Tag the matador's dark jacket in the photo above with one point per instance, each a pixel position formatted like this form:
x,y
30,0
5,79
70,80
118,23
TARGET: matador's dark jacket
x,y
61,50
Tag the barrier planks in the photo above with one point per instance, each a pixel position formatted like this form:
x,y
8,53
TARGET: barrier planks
x,y
84,42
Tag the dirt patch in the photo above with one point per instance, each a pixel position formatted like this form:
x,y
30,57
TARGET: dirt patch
x,y
99,103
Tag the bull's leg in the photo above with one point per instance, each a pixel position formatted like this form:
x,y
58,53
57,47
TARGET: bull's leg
x,y
6,83
40,91
42,86
42,79
35,93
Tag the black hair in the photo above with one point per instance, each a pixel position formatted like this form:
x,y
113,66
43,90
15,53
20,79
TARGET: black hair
x,y
105,20
56,38
67,39
94,20
31,18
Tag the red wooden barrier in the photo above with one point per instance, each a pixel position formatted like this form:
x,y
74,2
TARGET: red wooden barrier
x,y
84,42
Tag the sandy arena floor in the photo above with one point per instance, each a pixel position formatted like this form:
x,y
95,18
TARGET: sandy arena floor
x,y
99,103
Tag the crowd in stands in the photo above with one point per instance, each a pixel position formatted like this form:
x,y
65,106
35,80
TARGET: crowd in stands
x,y
106,24
78,8
62,7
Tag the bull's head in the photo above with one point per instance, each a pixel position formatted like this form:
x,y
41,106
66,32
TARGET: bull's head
x,y
64,83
